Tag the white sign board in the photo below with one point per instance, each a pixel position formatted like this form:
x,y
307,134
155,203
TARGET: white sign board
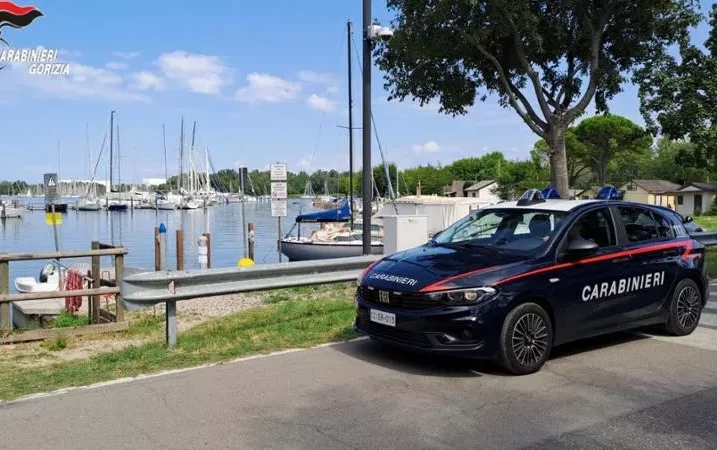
x,y
279,208
278,172
278,190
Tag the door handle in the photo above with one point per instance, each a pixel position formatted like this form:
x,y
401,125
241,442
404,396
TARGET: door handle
x,y
623,259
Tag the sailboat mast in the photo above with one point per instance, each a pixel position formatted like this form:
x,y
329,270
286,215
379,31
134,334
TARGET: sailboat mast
x,y
119,161
181,156
164,144
351,130
192,178
206,165
112,128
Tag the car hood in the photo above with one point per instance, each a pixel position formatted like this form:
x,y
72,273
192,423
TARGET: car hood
x,y
415,269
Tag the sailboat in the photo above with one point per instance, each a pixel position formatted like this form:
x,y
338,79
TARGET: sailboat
x,y
162,199
115,204
89,201
336,237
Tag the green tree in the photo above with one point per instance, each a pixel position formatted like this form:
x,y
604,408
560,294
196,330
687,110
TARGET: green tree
x,y
562,53
678,95
610,137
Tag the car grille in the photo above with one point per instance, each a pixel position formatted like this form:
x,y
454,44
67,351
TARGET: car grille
x,y
393,334
399,301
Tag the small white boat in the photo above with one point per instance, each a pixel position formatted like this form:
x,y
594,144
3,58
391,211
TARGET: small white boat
x,y
302,249
189,203
166,205
49,280
9,211
88,204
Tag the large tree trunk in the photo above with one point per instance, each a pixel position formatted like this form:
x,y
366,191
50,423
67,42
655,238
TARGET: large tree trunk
x,y
558,160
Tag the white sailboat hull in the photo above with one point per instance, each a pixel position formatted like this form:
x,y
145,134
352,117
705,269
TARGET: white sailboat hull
x,y
297,250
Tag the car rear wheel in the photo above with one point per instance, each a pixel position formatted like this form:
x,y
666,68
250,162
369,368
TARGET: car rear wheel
x,y
525,339
685,308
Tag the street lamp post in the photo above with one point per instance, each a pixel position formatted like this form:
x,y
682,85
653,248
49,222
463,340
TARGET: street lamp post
x,y
367,187
371,32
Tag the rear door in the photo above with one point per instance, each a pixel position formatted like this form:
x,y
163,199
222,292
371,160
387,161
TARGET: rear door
x,y
655,255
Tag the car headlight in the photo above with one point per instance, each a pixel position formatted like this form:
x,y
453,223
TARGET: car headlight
x,y
464,296
367,270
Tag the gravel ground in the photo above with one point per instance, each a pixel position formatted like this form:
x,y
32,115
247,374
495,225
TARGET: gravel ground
x,y
193,312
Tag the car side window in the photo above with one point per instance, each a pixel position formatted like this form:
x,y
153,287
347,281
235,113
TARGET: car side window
x,y
665,228
641,225
596,226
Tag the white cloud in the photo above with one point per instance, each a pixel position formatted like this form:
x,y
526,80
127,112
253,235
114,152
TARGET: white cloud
x,y
114,65
321,103
263,87
144,81
332,89
311,77
126,55
65,53
204,74
428,147
84,82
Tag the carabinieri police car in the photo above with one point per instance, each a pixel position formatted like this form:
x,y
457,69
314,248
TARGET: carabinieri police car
x,y
512,280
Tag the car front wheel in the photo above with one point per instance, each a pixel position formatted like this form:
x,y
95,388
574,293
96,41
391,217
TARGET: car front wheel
x,y
685,308
525,339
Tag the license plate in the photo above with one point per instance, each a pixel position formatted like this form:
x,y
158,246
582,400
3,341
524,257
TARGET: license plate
x,y
383,318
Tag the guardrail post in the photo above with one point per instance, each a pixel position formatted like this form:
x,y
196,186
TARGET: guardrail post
x,y
96,275
171,324
119,271
5,288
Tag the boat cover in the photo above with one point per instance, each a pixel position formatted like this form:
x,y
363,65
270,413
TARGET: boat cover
x,y
340,214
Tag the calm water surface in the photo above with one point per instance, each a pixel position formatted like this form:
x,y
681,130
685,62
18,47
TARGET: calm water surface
x,y
135,229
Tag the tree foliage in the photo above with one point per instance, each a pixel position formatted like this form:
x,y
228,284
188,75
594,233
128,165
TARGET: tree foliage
x,y
612,140
562,53
678,95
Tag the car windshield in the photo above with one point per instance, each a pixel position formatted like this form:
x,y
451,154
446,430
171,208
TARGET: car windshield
x,y
518,230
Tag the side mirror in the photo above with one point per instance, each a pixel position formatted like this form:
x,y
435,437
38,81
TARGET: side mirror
x,y
581,247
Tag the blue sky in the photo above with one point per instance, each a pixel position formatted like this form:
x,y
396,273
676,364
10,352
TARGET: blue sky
x,y
265,81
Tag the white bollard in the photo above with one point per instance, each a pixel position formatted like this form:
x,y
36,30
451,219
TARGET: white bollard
x,y
203,259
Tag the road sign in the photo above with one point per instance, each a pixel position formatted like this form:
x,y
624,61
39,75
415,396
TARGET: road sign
x,y
53,218
278,171
279,208
278,190
51,181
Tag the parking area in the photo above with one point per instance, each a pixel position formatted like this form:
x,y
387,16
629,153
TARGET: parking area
x,y
627,391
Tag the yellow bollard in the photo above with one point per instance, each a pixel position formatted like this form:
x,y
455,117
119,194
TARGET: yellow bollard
x,y
245,262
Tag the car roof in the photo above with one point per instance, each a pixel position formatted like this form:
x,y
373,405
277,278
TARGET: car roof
x,y
548,205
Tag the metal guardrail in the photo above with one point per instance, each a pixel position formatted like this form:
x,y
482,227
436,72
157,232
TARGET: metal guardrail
x,y
707,238
149,288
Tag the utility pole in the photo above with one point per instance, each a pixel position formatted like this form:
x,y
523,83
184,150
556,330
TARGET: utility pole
x,y
366,128
112,129
351,129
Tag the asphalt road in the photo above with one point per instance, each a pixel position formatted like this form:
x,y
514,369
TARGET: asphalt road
x,y
625,391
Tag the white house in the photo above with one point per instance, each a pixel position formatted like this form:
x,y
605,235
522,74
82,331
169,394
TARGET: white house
x,y
695,197
485,191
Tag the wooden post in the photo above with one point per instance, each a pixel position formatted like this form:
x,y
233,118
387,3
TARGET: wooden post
x,y
209,249
119,271
5,288
180,250
251,241
157,261
95,299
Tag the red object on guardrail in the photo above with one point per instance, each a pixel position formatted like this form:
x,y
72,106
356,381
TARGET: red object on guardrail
x,y
74,281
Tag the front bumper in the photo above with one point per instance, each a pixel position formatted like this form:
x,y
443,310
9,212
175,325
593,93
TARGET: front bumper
x,y
457,330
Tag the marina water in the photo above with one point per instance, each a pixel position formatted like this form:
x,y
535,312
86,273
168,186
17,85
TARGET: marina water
x,y
135,230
